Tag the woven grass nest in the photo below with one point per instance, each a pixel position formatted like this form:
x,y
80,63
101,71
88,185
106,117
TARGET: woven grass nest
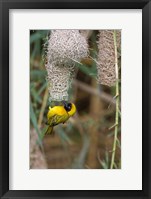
x,y
66,48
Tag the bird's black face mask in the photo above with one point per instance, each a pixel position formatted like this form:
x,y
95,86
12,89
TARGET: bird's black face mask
x,y
67,106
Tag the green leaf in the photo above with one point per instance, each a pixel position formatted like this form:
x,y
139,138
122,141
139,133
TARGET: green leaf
x,y
38,75
35,95
38,35
80,160
34,122
104,164
42,88
35,37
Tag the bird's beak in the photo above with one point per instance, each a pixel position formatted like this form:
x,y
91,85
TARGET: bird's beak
x,y
64,103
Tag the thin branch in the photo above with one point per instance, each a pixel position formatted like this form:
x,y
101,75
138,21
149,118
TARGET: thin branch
x,y
117,104
75,61
114,125
43,106
104,96
94,60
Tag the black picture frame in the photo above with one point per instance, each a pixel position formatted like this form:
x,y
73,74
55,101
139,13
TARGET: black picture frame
x,y
5,5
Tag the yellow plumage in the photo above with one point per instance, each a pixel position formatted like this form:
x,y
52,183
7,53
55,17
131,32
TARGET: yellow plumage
x,y
59,114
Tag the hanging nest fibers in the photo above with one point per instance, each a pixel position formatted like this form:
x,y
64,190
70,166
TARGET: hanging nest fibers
x,y
106,57
65,48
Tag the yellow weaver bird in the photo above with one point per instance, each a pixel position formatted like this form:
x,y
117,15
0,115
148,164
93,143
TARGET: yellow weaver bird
x,y
59,114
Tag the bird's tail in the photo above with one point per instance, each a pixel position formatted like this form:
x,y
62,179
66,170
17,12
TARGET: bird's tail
x,y
49,130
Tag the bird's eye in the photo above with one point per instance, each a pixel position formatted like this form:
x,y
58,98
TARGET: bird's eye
x,y
69,107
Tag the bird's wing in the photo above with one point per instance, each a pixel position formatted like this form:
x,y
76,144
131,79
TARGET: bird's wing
x,y
56,119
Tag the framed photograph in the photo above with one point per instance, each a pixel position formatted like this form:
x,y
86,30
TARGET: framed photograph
x,y
75,99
